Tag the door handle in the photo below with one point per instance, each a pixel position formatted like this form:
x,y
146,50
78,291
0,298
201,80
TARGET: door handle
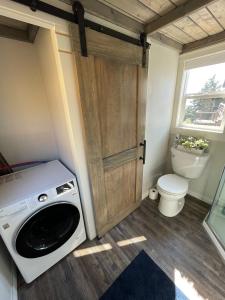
x,y
144,151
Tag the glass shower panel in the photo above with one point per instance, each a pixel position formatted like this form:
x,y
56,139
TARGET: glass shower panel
x,y
216,217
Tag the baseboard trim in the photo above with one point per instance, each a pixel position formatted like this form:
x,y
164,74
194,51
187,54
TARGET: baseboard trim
x,y
200,197
144,195
192,193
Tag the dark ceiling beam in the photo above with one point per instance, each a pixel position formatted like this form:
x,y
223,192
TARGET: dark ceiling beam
x,y
27,35
13,33
179,12
32,31
166,40
206,42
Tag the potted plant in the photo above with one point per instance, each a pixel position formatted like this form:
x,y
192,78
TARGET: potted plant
x,y
192,144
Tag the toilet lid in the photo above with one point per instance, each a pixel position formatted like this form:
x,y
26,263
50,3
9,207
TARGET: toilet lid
x,y
173,184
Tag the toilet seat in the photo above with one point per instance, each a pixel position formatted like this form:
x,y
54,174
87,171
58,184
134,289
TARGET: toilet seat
x,y
172,184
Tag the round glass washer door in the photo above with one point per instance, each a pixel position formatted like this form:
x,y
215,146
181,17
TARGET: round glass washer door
x,y
47,229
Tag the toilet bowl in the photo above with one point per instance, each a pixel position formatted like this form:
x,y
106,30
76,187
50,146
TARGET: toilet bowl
x,y
172,189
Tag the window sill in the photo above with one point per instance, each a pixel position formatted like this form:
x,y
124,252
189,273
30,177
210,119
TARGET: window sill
x,y
199,129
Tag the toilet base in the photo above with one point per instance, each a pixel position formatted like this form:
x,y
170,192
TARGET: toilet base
x,y
170,208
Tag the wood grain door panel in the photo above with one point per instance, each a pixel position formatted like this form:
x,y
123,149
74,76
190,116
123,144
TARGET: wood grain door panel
x,y
120,184
119,159
112,87
117,102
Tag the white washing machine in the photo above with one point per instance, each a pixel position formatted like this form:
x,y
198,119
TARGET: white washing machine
x,y
41,218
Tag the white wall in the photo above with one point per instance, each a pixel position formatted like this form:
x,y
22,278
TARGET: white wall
x,y
203,188
26,131
49,72
163,62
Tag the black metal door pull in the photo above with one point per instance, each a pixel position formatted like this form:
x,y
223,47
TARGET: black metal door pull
x,y
144,151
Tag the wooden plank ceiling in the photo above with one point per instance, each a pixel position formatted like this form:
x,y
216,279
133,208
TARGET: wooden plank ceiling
x,y
190,24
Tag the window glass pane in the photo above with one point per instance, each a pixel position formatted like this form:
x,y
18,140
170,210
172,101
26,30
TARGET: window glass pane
x,y
206,79
204,112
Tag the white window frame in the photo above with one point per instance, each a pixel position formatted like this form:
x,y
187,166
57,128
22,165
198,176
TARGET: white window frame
x,y
182,103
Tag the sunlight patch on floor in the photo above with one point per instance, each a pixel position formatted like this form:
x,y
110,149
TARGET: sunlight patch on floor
x,y
92,250
186,286
107,246
134,240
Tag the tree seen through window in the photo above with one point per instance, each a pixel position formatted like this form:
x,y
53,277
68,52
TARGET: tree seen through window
x,y
205,110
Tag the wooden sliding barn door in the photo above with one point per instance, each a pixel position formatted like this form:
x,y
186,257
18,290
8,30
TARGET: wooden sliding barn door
x,y
112,86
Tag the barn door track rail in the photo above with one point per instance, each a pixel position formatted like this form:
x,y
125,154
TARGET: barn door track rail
x,y
78,18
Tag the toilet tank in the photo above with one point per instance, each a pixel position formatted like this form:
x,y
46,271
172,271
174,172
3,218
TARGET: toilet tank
x,y
188,165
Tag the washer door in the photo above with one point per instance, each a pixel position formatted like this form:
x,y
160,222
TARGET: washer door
x,y
47,230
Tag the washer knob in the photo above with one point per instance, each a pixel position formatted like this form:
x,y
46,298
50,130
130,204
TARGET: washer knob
x,y
43,198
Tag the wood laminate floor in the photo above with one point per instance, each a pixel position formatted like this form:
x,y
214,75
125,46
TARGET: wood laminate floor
x,y
179,245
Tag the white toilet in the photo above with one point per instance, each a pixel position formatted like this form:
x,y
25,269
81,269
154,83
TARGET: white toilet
x,y
173,187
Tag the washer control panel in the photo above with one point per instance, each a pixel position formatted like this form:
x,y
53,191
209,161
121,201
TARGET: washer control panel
x,y
13,209
38,200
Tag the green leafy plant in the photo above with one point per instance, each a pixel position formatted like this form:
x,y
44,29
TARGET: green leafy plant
x,y
191,142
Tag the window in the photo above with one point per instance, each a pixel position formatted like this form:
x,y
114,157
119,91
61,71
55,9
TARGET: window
x,y
203,98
